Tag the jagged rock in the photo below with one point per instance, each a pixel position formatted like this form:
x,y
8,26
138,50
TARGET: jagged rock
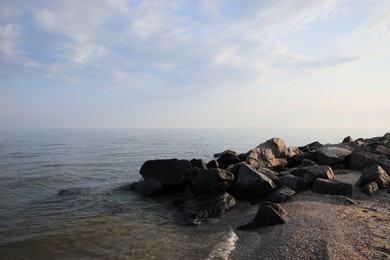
x,y
332,154
227,158
311,173
279,195
332,187
211,180
251,184
212,164
207,205
270,154
348,139
292,151
268,214
147,188
310,147
361,159
169,172
370,188
198,163
297,160
233,168
270,174
293,182
374,173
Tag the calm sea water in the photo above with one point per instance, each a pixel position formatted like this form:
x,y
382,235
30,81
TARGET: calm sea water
x,y
92,217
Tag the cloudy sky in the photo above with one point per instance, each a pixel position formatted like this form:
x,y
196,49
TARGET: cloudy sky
x,y
179,63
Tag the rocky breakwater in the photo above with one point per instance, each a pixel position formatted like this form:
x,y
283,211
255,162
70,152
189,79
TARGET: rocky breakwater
x,y
267,175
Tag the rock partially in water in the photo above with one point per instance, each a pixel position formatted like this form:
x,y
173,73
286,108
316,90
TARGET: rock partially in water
x,y
147,188
227,158
268,214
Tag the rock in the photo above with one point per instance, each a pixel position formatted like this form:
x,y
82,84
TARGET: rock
x,y
242,156
252,184
311,173
306,162
361,159
374,173
332,154
169,172
332,187
370,188
297,160
270,154
211,180
198,163
293,182
227,158
348,139
292,152
216,155
310,147
279,195
207,205
270,174
212,164
380,149
268,214
234,168
147,188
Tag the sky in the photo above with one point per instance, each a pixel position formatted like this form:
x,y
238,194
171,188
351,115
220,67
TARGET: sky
x,y
194,64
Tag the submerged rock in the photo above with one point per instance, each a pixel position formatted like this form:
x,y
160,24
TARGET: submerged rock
x,y
268,214
147,188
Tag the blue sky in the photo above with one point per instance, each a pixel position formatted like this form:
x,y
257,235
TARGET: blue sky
x,y
179,64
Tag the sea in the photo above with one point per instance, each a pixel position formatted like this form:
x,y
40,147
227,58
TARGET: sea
x,y
62,196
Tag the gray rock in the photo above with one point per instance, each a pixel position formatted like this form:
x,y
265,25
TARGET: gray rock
x,y
332,154
293,182
270,154
362,159
311,173
211,180
279,195
208,205
252,184
170,172
332,187
370,188
376,174
268,214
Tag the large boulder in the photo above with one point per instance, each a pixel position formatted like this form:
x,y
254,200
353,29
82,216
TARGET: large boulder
x,y
268,214
227,158
332,154
362,159
293,182
311,173
270,154
251,184
374,173
208,205
211,180
332,187
169,172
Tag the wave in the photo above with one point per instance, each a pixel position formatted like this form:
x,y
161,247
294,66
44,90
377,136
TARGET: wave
x,y
223,250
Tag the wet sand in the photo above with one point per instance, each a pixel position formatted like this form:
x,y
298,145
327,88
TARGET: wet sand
x,y
320,227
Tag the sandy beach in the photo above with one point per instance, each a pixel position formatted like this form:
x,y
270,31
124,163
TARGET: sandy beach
x,y
321,227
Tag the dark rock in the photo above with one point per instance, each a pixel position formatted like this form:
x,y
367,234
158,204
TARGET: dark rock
x,y
311,173
234,168
270,174
293,182
270,154
212,180
380,149
147,188
170,173
242,156
268,214
306,163
212,164
386,137
216,155
310,147
208,205
198,163
374,173
297,160
292,152
348,139
360,160
279,195
70,192
332,187
227,158
252,184
370,188
332,154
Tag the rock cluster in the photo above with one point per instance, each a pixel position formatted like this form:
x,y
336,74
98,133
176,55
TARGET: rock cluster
x,y
270,173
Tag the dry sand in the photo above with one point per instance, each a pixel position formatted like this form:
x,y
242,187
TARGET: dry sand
x,y
320,227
